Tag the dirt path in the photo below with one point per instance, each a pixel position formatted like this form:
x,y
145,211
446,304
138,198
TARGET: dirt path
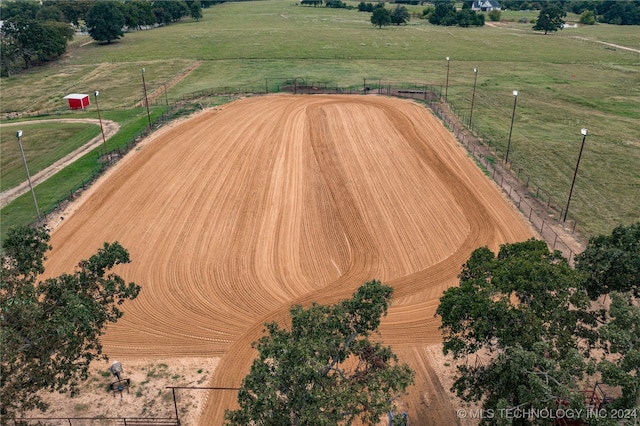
x,y
110,129
240,212
160,91
617,46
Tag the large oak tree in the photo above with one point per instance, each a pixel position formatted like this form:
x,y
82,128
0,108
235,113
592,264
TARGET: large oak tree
x,y
49,330
324,370
550,18
524,313
105,21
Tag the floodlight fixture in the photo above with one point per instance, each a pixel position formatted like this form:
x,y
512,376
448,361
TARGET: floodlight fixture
x,y
584,133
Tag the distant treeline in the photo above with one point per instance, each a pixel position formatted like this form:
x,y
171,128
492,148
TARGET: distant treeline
x,y
618,12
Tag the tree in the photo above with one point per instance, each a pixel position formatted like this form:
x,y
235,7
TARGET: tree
x,y
365,7
525,310
612,262
620,12
380,17
550,18
138,13
58,34
587,18
469,18
73,10
313,3
336,4
611,265
25,9
620,337
31,39
50,13
195,9
443,14
400,15
325,370
169,11
105,21
50,329
8,54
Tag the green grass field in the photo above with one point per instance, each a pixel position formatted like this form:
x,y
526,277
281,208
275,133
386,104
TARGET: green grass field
x,y
565,83
21,211
43,145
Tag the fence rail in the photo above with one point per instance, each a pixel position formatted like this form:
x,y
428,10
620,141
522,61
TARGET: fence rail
x,y
100,421
535,203
108,159
532,201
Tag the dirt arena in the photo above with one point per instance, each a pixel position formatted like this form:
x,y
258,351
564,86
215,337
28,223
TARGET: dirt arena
x,y
240,212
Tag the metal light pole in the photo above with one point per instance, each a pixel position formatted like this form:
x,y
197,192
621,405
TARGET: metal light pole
x,y
104,141
475,80
446,85
513,116
146,100
566,210
24,160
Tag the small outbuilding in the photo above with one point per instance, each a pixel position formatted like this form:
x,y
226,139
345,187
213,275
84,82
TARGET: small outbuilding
x,y
77,100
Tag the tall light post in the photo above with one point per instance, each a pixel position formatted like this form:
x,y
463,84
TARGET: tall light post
x,y
473,97
146,100
26,169
104,140
575,173
513,116
446,85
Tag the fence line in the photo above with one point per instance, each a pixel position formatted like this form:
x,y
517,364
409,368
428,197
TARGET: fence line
x,y
531,205
99,421
533,210
536,205
111,157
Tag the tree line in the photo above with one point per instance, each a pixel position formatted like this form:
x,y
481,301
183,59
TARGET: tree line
x,y
616,12
34,31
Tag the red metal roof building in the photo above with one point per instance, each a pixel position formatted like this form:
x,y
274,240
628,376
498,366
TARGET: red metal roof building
x,y
77,100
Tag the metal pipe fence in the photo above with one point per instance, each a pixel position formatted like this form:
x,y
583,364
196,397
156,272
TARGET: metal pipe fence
x,y
536,204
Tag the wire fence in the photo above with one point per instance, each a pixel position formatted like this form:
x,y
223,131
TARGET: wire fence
x,y
105,161
97,421
532,201
536,204
602,44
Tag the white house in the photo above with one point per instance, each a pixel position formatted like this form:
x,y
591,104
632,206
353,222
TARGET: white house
x,y
485,5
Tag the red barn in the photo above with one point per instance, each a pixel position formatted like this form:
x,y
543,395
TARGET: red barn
x,y
77,101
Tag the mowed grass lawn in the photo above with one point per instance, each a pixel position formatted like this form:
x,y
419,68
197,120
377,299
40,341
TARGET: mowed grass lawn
x,y
565,83
43,144
21,211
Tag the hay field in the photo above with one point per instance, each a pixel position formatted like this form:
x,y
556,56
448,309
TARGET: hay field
x,y
238,213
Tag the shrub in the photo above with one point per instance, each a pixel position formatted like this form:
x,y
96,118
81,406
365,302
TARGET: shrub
x,y
494,16
587,18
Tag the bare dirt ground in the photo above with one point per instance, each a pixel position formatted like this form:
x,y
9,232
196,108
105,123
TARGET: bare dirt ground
x,y
233,216
148,395
110,128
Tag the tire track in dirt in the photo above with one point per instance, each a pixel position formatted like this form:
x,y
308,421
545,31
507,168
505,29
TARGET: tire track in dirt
x,y
405,325
237,214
